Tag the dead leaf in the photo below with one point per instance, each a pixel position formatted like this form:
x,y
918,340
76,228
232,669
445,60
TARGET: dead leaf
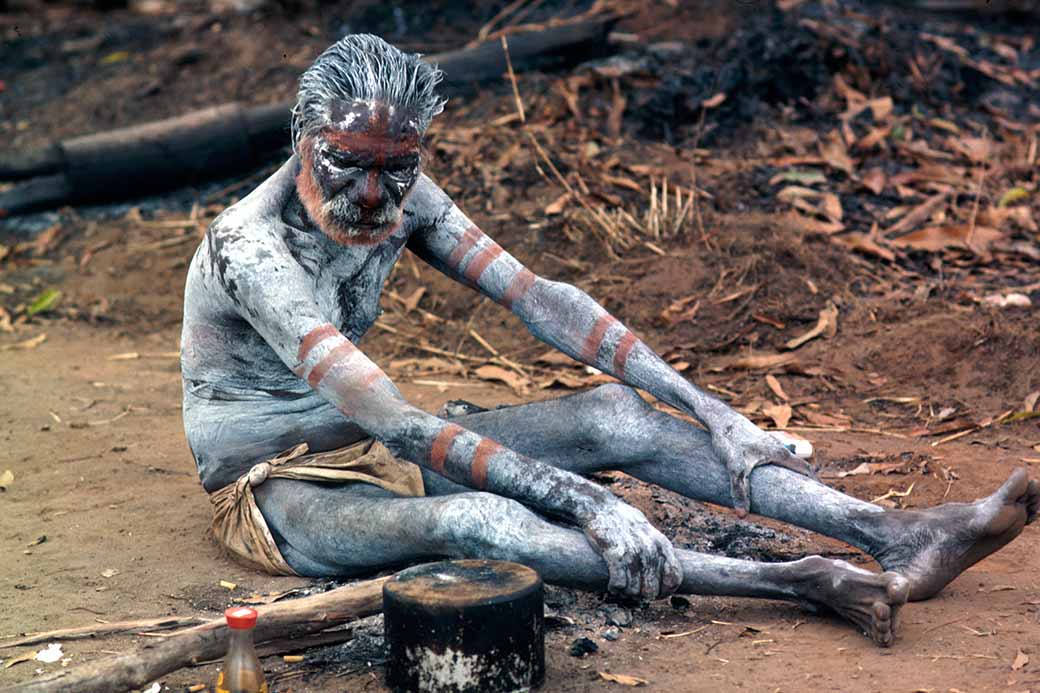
x,y
867,468
997,217
412,301
874,180
835,153
936,238
558,205
775,386
779,413
918,215
27,344
47,240
556,358
125,356
753,362
827,324
1021,659
623,679
873,138
865,244
109,572
6,479
516,382
228,585
714,101
881,108
1029,404
973,148
562,380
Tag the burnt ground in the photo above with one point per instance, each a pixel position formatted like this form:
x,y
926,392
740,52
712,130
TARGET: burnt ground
x,y
818,195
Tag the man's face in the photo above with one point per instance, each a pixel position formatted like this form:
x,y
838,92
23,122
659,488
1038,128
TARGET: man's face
x,y
356,172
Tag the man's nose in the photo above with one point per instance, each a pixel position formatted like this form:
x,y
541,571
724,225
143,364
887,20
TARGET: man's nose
x,y
372,195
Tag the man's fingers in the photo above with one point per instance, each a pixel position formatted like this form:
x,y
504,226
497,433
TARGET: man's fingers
x,y
740,491
795,464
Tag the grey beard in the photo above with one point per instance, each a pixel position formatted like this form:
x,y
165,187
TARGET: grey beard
x,y
346,216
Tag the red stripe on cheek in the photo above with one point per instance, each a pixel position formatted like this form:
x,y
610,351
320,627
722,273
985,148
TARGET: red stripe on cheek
x,y
590,348
486,449
518,288
480,263
468,240
313,339
621,353
335,356
441,446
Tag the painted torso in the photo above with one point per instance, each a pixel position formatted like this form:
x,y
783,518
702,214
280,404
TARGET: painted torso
x,y
224,359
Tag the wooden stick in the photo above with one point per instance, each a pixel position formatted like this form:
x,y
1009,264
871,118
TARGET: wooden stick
x,y
157,658
101,629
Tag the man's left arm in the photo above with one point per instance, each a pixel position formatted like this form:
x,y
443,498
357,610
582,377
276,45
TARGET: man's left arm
x,y
567,318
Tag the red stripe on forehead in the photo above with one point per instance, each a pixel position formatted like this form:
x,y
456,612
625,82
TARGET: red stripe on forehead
x,y
441,446
468,240
363,142
590,348
314,338
624,348
480,262
486,449
518,288
340,353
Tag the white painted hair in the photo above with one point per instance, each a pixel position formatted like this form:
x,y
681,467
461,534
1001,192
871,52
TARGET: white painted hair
x,y
366,68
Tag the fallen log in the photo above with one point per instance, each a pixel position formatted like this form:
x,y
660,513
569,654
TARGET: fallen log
x,y
218,141
209,641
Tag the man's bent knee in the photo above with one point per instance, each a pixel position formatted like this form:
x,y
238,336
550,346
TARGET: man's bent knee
x,y
481,525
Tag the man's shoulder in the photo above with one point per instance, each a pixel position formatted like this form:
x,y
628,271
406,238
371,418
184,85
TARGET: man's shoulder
x,y
262,208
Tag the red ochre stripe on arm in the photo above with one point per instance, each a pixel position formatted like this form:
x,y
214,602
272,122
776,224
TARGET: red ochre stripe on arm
x,y
441,446
624,348
314,338
481,260
590,348
338,354
518,288
478,469
468,240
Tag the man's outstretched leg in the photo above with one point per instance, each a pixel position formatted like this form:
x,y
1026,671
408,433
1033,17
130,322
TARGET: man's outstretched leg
x,y
611,427
359,528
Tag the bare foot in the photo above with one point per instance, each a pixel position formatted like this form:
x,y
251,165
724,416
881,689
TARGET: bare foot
x,y
869,601
934,546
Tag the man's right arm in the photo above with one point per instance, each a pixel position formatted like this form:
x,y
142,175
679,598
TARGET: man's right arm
x,y
275,295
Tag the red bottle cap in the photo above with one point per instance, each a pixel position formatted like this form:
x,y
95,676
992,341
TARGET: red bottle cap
x,y
240,617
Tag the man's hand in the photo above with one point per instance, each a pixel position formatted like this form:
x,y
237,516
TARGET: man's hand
x,y
742,446
640,560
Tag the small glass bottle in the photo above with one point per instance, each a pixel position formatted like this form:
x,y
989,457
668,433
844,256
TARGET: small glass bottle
x,y
241,672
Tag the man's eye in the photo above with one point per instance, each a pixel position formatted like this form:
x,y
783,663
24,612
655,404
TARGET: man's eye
x,y
402,174
341,162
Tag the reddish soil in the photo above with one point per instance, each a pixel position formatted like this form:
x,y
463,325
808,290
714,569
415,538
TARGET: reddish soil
x,y
101,469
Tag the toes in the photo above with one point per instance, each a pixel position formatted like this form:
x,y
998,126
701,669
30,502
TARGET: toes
x,y
1016,485
882,612
1032,501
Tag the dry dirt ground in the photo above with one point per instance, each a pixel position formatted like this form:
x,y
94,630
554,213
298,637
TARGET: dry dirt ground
x,y
105,520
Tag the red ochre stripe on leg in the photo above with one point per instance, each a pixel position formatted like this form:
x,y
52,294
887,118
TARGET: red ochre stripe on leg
x,y
518,288
331,359
441,446
373,377
313,339
590,348
624,348
468,240
478,469
480,262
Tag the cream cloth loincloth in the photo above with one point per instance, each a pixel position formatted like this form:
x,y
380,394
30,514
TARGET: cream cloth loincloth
x,y
240,528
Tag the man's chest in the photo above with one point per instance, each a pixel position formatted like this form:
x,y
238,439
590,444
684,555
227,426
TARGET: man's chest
x,y
349,284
